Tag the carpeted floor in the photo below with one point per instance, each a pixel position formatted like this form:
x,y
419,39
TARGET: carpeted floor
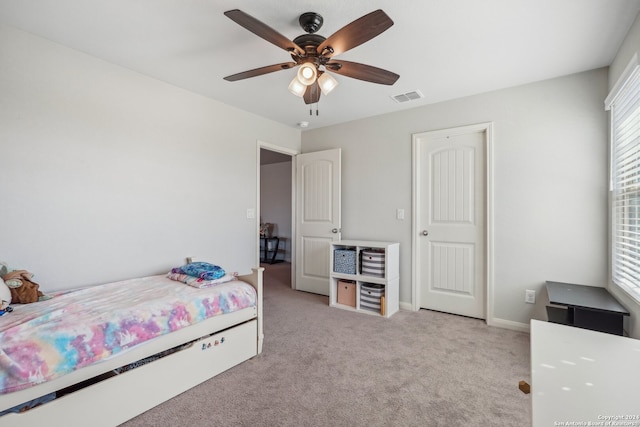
x,y
324,366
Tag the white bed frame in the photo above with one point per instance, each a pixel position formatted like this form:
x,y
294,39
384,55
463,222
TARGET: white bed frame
x,y
229,340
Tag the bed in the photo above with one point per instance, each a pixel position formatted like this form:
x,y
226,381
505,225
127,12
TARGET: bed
x,y
142,369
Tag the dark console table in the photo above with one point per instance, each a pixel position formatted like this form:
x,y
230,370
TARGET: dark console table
x,y
587,307
270,247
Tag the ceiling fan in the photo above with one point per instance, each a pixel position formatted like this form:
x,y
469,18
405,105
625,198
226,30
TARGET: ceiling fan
x,y
314,54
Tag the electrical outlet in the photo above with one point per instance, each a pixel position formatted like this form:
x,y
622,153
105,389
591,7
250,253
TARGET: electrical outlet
x,y
530,296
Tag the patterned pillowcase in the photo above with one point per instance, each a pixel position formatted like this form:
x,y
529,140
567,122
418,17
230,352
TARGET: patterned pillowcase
x,y
203,270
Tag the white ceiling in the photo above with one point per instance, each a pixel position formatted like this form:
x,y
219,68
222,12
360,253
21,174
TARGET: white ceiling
x,y
446,49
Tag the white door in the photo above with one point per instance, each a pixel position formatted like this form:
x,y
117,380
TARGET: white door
x,y
451,220
317,217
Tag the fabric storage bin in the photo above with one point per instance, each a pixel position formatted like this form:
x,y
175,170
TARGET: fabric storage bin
x,y
371,296
344,261
372,262
347,293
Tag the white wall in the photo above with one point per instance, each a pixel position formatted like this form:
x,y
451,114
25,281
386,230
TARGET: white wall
x,y
107,174
630,46
550,150
275,202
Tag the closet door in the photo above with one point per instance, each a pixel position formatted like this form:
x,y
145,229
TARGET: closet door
x,y
451,220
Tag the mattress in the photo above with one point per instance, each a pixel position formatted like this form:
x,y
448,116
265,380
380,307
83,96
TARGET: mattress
x,y
48,339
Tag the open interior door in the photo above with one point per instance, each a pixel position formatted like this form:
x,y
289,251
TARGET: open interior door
x,y
317,217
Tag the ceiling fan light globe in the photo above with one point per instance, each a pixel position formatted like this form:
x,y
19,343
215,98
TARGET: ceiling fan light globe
x,y
297,88
307,74
327,83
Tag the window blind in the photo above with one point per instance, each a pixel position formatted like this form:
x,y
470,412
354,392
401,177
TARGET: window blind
x,y
625,180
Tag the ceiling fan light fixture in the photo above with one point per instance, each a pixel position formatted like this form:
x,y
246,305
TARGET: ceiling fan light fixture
x,y
297,88
307,74
327,83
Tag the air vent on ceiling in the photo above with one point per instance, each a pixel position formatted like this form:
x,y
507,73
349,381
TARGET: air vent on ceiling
x,y
406,97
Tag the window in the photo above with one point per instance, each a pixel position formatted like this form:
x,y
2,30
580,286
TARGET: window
x,y
624,103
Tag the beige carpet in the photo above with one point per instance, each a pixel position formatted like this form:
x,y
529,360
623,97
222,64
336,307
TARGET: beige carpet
x,y
323,366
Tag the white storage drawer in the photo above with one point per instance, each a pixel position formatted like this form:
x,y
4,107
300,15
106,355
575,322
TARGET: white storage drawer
x,y
371,296
344,261
372,262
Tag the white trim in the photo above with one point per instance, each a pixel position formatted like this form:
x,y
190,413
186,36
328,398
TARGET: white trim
x,y
406,306
257,208
489,223
415,179
272,147
487,128
621,82
509,324
294,219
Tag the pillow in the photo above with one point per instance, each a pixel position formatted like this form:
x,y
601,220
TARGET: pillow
x,y
196,282
202,270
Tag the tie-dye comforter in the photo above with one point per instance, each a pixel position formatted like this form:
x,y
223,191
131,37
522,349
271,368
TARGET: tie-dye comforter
x,y
47,339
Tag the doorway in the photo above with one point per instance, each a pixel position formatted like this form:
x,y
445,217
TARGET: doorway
x,y
452,221
303,192
276,210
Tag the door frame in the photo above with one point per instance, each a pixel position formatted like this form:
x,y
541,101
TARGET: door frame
x,y
293,153
487,128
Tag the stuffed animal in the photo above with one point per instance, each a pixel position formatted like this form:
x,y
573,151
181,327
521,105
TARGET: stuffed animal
x,y
23,290
5,295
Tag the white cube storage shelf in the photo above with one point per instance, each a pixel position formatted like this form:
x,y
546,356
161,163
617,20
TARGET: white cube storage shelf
x,y
389,277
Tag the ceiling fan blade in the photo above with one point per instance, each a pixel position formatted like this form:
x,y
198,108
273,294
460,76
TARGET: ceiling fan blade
x,y
362,72
312,94
260,71
262,30
354,34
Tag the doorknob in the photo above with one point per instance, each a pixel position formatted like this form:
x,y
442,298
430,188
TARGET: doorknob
x,y
425,233
334,231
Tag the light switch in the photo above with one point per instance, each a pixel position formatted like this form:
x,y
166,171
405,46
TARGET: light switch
x,y
251,213
399,213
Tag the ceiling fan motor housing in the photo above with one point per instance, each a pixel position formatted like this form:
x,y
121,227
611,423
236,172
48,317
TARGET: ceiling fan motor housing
x,y
310,43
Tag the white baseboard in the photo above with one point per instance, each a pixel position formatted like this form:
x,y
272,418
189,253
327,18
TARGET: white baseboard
x,y
498,323
509,324
406,306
